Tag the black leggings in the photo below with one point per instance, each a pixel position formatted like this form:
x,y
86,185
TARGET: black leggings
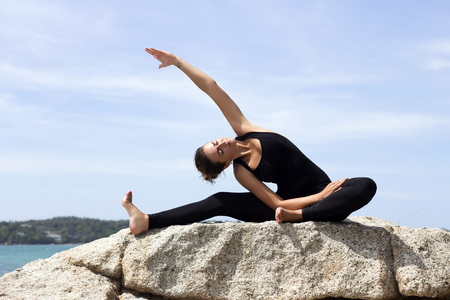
x,y
354,194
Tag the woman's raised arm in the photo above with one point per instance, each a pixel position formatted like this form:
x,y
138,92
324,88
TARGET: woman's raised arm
x,y
230,110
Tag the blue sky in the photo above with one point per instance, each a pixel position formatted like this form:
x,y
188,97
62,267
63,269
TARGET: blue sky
x,y
85,115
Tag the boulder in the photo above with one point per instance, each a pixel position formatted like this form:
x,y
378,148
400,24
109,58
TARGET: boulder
x,y
360,258
56,279
422,264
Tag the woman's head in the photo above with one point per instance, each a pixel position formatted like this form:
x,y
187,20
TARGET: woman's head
x,y
214,157
210,170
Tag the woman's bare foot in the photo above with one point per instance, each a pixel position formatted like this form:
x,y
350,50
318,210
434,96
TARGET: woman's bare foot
x,y
138,220
286,215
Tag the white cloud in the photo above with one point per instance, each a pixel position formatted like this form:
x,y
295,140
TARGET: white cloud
x,y
436,53
319,124
15,110
438,46
384,124
438,64
43,165
322,79
105,85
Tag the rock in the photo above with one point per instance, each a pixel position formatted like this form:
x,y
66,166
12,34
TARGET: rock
x,y
259,261
422,264
103,256
360,258
56,279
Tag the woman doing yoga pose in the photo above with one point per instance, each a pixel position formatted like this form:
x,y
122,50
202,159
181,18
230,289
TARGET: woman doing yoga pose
x,y
305,192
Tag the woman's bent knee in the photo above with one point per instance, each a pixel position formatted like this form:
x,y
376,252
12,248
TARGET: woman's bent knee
x,y
371,187
368,189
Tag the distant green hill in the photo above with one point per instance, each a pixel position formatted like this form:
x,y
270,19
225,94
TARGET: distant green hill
x,y
61,230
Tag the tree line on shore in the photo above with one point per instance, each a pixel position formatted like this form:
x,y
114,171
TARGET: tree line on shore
x,y
60,230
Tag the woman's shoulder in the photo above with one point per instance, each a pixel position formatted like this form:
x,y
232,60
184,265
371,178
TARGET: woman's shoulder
x,y
250,127
268,138
258,133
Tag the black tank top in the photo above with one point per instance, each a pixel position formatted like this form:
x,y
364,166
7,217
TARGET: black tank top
x,y
284,164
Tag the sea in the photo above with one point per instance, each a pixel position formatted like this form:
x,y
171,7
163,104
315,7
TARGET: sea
x,y
13,257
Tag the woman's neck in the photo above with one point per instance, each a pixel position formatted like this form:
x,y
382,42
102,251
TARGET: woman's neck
x,y
243,148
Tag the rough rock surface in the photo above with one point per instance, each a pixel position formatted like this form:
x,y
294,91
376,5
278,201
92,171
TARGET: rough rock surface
x,y
360,258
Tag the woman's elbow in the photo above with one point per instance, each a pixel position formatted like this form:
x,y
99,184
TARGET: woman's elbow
x,y
209,85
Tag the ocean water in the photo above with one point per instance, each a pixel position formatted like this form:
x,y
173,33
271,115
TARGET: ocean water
x,y
16,256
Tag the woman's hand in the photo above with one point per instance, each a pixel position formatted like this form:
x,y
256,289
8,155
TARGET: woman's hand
x,y
331,188
164,57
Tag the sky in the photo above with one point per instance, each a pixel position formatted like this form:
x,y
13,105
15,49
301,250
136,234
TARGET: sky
x,y
361,87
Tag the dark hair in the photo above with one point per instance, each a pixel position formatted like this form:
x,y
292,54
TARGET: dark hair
x,y
209,169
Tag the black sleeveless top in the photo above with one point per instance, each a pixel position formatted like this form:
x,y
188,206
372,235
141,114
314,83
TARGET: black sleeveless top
x,y
284,164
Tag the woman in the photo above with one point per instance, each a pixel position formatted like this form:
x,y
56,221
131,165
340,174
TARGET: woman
x,y
305,192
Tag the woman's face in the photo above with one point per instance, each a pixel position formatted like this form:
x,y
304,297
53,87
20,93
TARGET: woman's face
x,y
221,150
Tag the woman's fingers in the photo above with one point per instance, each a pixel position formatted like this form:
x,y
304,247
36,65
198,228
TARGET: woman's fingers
x,y
157,54
338,184
162,56
153,52
333,187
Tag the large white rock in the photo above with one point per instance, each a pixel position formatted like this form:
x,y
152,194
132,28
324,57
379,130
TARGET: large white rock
x,y
421,258
56,279
262,261
361,258
103,256
422,261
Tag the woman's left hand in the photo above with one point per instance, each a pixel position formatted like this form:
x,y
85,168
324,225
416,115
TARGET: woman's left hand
x,y
166,58
331,188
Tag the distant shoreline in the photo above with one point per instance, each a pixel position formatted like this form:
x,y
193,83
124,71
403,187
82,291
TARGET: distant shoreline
x,y
58,231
